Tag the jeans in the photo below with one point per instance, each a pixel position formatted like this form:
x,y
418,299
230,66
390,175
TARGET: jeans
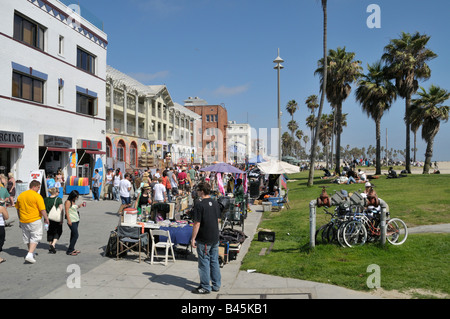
x,y
116,193
73,237
95,193
208,266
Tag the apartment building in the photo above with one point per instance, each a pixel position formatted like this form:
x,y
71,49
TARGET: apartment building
x,y
212,137
52,88
144,126
239,142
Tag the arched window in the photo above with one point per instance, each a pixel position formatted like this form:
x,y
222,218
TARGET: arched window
x,y
133,154
108,147
121,151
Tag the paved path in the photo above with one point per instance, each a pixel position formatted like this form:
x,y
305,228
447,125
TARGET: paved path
x,y
102,277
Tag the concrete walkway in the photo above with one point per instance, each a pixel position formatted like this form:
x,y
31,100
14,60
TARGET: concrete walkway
x,y
92,276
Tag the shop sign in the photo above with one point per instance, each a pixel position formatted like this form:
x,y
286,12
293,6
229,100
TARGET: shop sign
x,y
89,145
13,138
55,141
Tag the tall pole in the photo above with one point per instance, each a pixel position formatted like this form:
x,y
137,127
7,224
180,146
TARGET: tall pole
x,y
278,67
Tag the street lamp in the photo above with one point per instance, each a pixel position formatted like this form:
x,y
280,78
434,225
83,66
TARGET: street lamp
x,y
278,67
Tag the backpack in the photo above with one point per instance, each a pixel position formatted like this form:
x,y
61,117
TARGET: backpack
x,y
111,246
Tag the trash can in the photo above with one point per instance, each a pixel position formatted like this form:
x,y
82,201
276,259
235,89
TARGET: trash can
x,y
267,206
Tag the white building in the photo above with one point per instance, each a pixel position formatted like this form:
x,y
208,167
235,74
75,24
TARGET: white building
x,y
239,145
52,88
184,148
146,125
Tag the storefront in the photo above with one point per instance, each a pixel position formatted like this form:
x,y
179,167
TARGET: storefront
x,y
11,144
54,153
87,151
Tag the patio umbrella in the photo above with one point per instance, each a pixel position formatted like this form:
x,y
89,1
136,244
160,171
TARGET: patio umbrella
x,y
278,167
222,168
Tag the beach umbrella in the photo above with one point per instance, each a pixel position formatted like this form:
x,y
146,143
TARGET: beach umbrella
x,y
222,168
278,167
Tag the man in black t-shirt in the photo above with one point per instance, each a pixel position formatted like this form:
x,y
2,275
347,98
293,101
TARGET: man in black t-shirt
x,y
205,237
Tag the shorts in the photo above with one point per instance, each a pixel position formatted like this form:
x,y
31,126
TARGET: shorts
x,y
125,200
32,232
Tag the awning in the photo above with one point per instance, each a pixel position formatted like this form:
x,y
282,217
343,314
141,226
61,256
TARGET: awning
x,y
12,146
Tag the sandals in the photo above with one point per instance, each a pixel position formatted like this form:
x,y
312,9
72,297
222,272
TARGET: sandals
x,y
2,260
52,249
73,253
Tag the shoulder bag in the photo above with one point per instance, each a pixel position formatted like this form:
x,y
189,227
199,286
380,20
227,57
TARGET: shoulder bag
x,y
55,213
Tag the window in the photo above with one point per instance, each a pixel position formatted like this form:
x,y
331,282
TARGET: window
x,y
28,32
27,88
61,45
60,91
86,104
120,151
85,61
207,118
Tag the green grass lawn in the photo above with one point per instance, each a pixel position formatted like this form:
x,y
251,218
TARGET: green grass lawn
x,y
422,262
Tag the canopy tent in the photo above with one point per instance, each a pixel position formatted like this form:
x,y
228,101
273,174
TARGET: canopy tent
x,y
222,168
256,159
278,167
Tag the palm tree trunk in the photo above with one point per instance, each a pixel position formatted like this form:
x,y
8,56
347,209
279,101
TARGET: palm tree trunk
x,y
322,97
378,151
408,135
338,136
428,156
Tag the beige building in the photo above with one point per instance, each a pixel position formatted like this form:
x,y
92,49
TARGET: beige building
x,y
144,123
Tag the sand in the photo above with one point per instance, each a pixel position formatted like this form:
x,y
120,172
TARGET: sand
x,y
444,168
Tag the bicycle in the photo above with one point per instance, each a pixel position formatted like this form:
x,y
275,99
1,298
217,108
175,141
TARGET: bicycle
x,y
366,227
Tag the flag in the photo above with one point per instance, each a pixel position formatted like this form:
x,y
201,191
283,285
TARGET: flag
x,y
283,181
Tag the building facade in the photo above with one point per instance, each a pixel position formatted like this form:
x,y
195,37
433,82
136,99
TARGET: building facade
x,y
52,89
145,128
212,137
239,142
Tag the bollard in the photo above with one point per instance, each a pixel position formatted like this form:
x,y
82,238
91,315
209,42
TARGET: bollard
x,y
312,224
384,208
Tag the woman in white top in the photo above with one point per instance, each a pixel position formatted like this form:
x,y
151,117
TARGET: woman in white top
x,y
116,182
3,216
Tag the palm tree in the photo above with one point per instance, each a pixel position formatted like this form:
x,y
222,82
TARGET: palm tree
x,y
305,140
292,126
342,71
311,103
325,133
322,97
429,110
376,94
291,108
406,58
311,122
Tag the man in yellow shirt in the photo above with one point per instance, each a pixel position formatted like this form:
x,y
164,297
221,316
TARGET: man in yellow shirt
x,y
30,209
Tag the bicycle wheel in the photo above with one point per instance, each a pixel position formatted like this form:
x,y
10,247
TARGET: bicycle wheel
x,y
354,233
396,231
339,233
319,236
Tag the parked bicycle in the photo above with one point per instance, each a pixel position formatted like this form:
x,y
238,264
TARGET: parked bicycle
x,y
353,225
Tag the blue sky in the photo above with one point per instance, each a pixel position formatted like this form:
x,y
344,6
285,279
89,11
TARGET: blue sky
x,y
222,51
